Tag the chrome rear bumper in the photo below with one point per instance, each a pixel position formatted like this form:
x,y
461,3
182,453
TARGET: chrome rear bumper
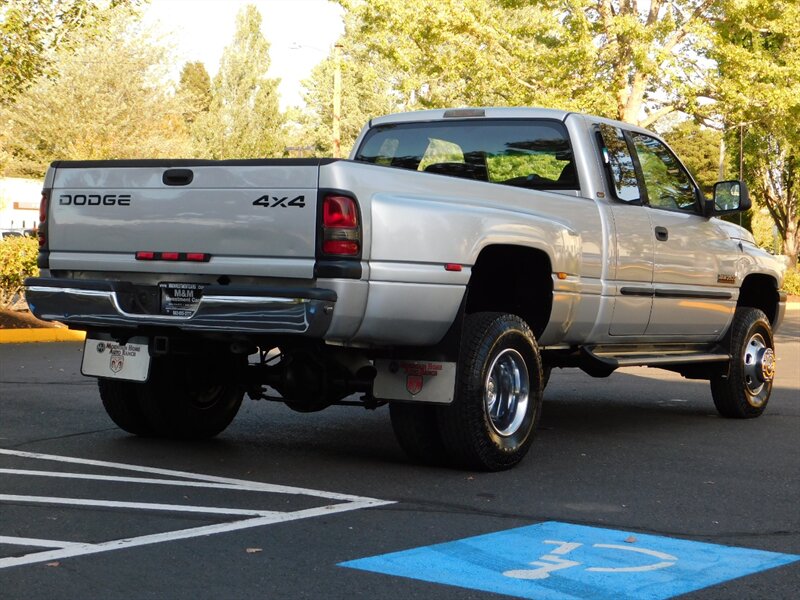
x,y
90,304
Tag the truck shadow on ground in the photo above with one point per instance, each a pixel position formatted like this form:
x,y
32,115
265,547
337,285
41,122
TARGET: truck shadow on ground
x,y
574,412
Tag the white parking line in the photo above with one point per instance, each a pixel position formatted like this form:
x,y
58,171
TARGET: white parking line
x,y
242,483
34,542
65,549
188,508
113,478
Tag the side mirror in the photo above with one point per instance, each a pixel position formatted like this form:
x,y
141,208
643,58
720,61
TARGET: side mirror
x,y
729,197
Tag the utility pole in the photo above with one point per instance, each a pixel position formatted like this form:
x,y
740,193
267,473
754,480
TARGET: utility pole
x,y
741,153
337,101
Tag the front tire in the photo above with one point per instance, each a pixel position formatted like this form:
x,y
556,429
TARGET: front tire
x,y
498,399
743,393
186,397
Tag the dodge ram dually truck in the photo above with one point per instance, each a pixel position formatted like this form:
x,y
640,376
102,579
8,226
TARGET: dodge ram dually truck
x,y
444,269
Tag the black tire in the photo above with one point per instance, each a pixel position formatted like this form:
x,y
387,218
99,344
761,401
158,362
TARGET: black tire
x,y
498,350
120,399
743,393
417,431
546,372
180,401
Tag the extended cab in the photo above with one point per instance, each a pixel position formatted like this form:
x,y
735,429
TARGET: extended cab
x,y
445,269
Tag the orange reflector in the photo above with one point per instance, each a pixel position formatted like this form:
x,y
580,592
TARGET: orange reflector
x,y
561,276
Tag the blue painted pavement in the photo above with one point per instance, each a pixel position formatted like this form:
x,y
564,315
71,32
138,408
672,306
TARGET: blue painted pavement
x,y
559,561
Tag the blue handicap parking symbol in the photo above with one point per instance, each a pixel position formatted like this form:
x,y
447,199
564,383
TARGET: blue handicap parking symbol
x,y
560,561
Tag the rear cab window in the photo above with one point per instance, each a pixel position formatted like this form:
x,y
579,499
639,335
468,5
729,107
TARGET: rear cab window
x,y
529,153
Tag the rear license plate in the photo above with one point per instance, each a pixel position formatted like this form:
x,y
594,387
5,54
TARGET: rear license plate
x,y
180,299
110,360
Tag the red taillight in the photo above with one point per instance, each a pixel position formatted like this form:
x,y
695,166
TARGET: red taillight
x,y
42,228
174,256
341,247
339,211
43,209
341,234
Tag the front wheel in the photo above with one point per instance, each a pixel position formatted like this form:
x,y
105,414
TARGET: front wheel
x,y
498,399
744,391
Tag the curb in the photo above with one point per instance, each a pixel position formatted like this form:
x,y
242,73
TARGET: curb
x,y
22,336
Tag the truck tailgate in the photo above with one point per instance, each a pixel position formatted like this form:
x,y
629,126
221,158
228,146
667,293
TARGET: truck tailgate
x,y
250,217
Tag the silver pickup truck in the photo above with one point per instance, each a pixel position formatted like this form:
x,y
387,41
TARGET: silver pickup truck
x,y
444,269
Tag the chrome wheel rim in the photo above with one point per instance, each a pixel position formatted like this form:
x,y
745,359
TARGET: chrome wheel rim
x,y
505,392
758,361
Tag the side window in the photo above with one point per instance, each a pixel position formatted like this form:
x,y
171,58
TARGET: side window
x,y
620,164
668,184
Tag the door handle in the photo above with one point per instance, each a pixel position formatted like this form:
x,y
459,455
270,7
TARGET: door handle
x,y
662,235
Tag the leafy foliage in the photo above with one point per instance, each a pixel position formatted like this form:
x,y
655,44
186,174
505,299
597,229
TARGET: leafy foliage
x,y
758,53
31,31
105,102
366,93
195,90
243,120
699,149
17,262
613,58
791,284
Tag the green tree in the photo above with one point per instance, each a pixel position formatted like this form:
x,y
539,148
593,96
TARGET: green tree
x,y
108,100
699,149
629,60
366,93
195,89
456,52
757,51
31,31
244,118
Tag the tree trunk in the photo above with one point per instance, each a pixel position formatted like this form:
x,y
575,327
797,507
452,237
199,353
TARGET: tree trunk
x,y
791,243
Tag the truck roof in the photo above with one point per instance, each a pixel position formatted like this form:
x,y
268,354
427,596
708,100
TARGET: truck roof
x,y
422,116
476,112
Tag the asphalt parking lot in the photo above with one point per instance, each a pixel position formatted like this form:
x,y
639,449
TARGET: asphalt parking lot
x,y
635,488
